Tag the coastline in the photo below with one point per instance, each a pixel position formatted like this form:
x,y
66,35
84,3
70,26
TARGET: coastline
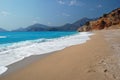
x,y
23,63
31,59
87,61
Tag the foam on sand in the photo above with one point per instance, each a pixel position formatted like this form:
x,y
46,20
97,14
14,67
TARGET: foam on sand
x,y
3,69
10,54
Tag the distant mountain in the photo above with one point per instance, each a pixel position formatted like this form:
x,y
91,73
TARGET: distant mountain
x,y
67,27
37,27
107,21
72,27
34,27
19,29
82,21
2,30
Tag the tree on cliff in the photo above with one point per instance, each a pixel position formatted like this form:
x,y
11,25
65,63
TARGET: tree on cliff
x,y
104,15
87,23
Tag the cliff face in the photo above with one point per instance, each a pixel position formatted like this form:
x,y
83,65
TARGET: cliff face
x,y
107,21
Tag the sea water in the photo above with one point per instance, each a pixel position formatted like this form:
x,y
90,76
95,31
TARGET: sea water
x,y
15,46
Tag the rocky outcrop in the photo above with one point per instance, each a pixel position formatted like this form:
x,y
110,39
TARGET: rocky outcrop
x,y
107,21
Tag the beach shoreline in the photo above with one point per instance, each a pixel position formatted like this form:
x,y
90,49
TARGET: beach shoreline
x,y
87,61
23,63
31,59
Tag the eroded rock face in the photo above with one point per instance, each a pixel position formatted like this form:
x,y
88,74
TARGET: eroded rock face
x,y
105,22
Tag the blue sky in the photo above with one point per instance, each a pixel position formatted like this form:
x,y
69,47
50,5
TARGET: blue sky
x,y
22,13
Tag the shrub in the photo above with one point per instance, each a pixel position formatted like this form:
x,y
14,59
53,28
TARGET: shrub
x,y
87,23
102,24
118,11
113,15
105,15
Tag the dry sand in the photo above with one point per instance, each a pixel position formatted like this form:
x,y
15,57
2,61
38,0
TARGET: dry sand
x,y
97,59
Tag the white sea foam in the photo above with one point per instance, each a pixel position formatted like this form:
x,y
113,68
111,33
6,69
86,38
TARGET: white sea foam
x,y
18,51
3,69
3,36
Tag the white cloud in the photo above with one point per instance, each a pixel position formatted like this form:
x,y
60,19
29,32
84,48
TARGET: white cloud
x,y
61,2
73,2
4,13
99,6
70,2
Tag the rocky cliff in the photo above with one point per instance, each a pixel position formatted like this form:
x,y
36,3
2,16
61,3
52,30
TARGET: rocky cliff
x,y
107,21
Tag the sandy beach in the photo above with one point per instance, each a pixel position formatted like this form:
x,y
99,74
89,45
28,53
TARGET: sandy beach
x,y
97,59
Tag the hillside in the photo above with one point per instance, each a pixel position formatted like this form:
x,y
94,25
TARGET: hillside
x,y
107,21
2,30
67,27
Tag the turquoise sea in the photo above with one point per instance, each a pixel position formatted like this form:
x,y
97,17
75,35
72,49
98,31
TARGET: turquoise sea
x,y
13,37
15,46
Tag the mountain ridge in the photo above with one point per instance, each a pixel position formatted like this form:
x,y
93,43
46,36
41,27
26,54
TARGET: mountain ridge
x,y
66,27
2,30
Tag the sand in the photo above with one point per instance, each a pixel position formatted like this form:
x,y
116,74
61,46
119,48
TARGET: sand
x,y
97,59
23,63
